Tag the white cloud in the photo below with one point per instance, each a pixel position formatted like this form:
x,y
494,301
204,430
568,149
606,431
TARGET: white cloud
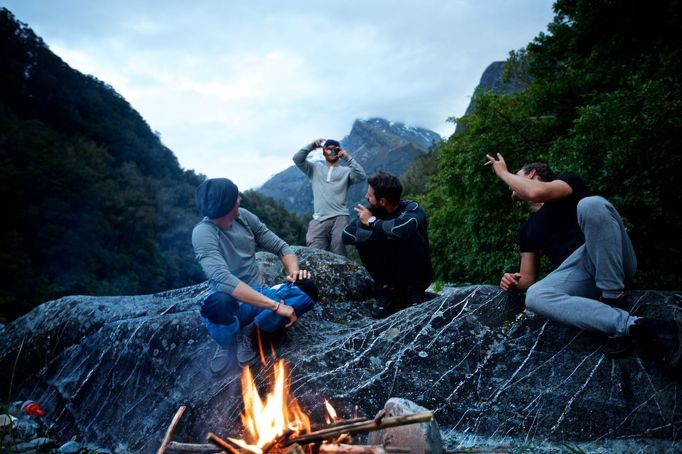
x,y
236,88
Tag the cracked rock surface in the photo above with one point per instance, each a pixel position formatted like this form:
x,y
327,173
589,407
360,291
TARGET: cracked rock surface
x,y
113,370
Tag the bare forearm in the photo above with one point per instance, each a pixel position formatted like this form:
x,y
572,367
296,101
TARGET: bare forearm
x,y
290,262
525,189
525,282
247,295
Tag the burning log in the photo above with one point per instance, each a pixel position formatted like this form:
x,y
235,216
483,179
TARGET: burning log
x,y
175,447
277,441
360,449
357,427
190,448
222,444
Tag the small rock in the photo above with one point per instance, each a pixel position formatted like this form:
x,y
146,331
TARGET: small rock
x,y
420,438
70,447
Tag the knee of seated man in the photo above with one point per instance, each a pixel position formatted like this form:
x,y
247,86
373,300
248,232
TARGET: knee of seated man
x,y
590,205
219,308
537,297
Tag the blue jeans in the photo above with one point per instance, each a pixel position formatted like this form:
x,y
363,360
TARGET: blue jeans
x,y
599,267
224,316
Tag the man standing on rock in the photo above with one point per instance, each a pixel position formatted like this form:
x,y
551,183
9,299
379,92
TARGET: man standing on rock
x,y
330,184
391,237
225,244
585,239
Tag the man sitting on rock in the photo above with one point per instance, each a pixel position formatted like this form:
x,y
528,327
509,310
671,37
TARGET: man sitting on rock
x,y
585,239
225,244
391,237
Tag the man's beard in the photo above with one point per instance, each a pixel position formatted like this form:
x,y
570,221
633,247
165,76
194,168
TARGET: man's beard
x,y
331,158
377,210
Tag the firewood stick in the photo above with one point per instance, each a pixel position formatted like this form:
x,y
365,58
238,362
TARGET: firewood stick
x,y
366,426
185,448
340,422
171,428
225,446
351,449
381,415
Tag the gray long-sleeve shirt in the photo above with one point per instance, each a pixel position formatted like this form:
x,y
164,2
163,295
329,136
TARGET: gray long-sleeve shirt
x,y
229,256
330,183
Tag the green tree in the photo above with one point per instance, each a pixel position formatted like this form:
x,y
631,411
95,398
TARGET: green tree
x,y
603,101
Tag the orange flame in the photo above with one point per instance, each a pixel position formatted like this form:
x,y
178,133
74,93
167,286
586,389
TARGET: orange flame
x,y
330,417
267,420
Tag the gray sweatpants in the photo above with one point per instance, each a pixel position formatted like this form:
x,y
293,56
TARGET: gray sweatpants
x,y
327,234
598,267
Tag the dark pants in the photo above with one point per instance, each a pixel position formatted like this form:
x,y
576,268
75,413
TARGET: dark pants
x,y
401,264
224,316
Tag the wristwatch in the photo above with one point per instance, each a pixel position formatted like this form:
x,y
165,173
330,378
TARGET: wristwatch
x,y
371,221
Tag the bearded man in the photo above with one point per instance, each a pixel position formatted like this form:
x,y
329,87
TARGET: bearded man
x,y
330,182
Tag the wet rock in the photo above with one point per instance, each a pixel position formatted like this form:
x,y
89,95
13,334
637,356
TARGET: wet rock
x,y
34,446
420,438
70,447
113,370
339,279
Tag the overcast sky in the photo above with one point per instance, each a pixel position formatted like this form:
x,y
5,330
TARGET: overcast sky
x,y
236,87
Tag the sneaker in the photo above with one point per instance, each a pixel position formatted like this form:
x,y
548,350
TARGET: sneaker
x,y
246,352
661,339
383,306
223,359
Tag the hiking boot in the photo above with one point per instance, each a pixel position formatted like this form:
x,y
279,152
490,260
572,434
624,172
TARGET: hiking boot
x,y
223,359
659,338
383,306
415,297
246,352
617,346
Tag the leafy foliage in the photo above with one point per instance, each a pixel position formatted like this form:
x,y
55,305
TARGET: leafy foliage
x,y
604,101
94,203
287,225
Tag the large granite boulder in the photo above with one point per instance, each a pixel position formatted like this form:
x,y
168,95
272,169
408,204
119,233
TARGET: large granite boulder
x,y
113,370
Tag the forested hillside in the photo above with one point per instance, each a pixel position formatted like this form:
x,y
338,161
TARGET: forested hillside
x,y
93,202
603,99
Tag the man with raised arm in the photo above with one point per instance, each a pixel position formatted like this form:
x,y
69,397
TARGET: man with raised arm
x,y
585,240
330,182
225,244
391,237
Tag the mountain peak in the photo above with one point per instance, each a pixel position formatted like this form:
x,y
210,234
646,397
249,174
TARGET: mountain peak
x,y
377,144
420,137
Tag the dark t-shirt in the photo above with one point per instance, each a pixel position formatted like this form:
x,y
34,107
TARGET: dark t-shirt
x,y
553,229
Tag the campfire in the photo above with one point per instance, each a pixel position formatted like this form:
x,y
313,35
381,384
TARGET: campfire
x,y
276,424
267,422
